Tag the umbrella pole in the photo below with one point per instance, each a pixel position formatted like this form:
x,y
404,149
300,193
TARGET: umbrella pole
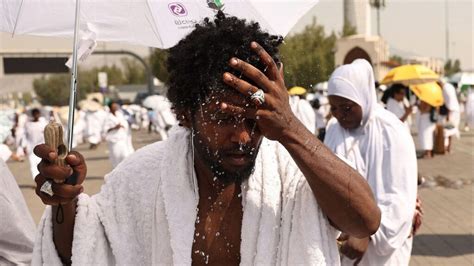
x,y
73,91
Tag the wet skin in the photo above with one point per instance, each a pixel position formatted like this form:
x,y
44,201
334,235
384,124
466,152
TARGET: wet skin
x,y
230,144
347,112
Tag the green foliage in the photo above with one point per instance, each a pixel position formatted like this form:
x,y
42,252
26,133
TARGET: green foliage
x,y
396,58
134,72
308,57
27,98
451,68
54,89
158,64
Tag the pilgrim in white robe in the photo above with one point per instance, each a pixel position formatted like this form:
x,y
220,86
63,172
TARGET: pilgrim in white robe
x,y
426,130
20,142
454,116
382,151
5,152
118,140
322,112
398,109
145,213
34,135
470,108
304,112
17,228
163,118
94,124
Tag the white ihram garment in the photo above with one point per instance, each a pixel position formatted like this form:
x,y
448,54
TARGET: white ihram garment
x,y
34,135
452,103
20,134
382,150
426,130
118,140
17,228
94,125
470,108
304,112
146,212
398,109
322,112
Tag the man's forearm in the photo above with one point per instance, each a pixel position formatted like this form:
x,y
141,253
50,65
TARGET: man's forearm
x,y
341,192
63,232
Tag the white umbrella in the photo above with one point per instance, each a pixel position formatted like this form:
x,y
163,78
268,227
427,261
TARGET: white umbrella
x,y
157,103
463,78
155,23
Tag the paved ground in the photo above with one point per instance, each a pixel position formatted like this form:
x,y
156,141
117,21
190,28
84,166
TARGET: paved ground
x,y
446,237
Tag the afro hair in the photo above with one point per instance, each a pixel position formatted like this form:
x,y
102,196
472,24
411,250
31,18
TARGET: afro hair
x,y
196,64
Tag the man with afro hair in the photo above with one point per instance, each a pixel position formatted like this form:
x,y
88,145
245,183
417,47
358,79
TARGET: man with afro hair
x,y
239,181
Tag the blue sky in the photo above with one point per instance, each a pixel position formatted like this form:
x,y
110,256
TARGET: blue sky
x,y
412,27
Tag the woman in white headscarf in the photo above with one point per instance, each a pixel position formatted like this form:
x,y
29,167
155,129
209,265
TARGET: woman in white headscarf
x,y
378,145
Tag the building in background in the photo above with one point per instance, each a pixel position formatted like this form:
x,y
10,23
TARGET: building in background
x,y
371,48
357,14
375,49
25,58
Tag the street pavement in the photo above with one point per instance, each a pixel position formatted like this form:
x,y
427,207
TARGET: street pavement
x,y
445,238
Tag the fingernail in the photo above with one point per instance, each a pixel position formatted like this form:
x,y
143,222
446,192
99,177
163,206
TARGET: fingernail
x,y
51,155
223,105
82,190
227,77
253,44
233,61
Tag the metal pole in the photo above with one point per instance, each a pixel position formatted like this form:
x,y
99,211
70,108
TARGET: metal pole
x,y
447,28
73,91
378,21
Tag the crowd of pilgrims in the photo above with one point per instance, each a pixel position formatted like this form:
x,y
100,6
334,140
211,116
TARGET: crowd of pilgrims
x,y
327,113
94,123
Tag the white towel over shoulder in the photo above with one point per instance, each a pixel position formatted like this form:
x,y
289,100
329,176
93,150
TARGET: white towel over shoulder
x,y
146,211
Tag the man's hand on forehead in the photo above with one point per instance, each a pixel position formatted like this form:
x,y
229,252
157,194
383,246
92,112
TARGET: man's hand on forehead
x,y
272,111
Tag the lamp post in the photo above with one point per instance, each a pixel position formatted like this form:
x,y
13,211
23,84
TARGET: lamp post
x,y
446,19
378,4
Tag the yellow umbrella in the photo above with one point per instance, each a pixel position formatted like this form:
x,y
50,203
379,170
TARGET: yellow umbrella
x,y
297,91
410,75
430,93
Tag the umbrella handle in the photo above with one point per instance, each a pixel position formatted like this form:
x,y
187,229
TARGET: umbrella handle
x,y
54,138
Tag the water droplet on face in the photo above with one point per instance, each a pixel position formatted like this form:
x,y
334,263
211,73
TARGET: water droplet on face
x,y
218,234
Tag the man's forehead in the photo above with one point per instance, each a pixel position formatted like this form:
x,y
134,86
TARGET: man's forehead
x,y
229,96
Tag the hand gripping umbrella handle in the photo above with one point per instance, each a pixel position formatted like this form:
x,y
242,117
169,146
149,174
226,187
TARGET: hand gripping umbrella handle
x,y
54,138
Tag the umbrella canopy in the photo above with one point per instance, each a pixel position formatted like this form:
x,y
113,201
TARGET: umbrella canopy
x,y
410,75
430,93
322,86
157,103
464,80
154,23
297,91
